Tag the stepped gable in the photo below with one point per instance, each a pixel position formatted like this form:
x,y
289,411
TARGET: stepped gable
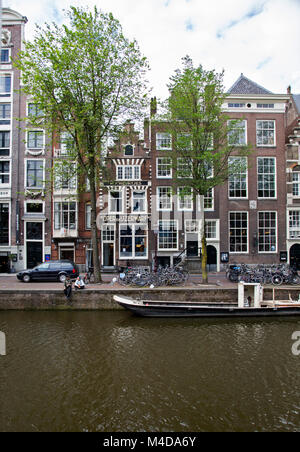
x,y
246,86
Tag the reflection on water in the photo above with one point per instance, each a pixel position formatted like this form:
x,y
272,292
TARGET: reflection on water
x,y
110,371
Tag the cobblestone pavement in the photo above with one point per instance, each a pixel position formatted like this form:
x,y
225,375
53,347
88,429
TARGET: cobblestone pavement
x,y
215,280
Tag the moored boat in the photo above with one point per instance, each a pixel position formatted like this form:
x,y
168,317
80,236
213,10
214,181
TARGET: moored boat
x,y
250,304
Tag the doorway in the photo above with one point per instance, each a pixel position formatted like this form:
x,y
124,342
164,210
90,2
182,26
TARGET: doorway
x,y
295,255
4,264
211,258
108,254
192,248
34,254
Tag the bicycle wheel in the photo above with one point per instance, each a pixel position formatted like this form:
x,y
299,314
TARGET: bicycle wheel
x,y
277,280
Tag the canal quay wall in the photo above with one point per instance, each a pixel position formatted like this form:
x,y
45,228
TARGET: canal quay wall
x,y
102,299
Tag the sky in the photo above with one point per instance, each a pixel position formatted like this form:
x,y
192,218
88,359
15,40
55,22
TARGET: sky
x,y
259,38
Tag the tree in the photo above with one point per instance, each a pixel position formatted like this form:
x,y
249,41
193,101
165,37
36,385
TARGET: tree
x,y
204,140
87,78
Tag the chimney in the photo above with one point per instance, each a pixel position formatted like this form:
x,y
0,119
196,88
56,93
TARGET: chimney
x,y
289,89
153,107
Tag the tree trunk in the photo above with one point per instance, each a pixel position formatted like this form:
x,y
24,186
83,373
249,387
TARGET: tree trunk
x,y
203,243
95,238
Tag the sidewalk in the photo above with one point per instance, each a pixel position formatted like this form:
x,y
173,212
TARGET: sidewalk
x,y
10,281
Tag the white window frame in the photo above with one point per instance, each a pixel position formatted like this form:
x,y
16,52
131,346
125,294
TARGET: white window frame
x,y
2,118
88,216
121,171
60,211
10,143
275,178
122,201
7,74
34,201
6,185
239,121
290,228
9,56
59,178
9,223
274,131
174,222
184,203
164,197
239,177
40,187
144,200
161,137
133,237
184,167
296,183
229,229
159,163
265,228
38,148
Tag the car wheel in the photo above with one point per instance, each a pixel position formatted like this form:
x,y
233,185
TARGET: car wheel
x,y
26,278
62,278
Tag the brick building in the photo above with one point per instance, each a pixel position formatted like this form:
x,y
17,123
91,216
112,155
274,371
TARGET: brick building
x,y
293,179
24,205
252,205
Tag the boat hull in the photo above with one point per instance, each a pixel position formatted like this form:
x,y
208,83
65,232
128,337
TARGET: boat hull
x,y
155,309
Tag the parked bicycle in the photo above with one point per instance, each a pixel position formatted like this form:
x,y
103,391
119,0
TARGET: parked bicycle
x,y
164,276
263,274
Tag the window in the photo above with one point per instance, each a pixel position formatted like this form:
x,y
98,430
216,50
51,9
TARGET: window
x,y
265,133
66,143
236,105
35,173
34,207
296,184
5,84
238,232
192,226
65,215
88,216
164,195
237,133
128,150
138,201
184,142
4,143
4,224
209,200
210,229
65,176
34,110
129,172
267,231
294,224
4,55
108,233
168,235
185,198
5,111
266,177
265,105
164,168
116,201
133,241
4,172
237,183
35,139
184,168
163,142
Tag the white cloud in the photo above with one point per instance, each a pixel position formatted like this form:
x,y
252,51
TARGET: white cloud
x,y
260,38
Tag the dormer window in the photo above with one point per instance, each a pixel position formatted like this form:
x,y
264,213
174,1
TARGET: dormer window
x,y
128,151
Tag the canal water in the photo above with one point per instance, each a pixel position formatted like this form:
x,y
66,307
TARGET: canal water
x,y
110,371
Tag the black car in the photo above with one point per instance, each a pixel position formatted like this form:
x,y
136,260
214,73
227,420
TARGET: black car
x,y
50,271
